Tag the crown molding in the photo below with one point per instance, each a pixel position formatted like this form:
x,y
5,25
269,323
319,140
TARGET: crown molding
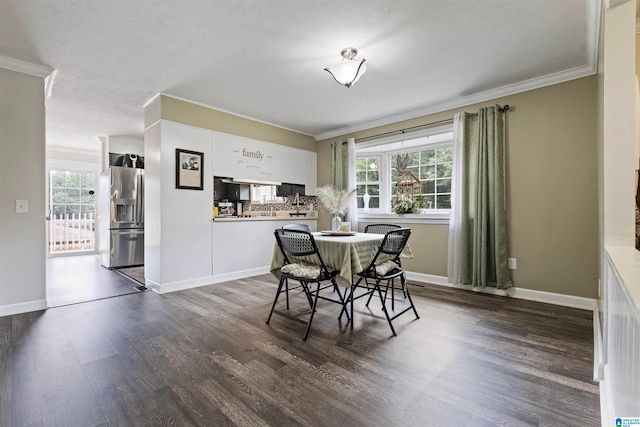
x,y
150,100
25,67
72,150
591,67
168,95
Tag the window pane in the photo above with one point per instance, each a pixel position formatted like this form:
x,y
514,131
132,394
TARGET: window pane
x,y
73,180
373,163
58,195
87,210
373,176
444,186
395,176
57,210
87,199
361,176
414,158
374,202
444,154
57,179
427,172
361,164
428,157
374,190
87,180
444,202
444,170
428,187
429,201
72,195
73,210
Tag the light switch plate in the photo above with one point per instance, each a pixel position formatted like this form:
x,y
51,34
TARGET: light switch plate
x,y
22,206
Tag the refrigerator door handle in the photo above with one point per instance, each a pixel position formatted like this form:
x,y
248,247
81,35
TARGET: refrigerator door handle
x,y
139,199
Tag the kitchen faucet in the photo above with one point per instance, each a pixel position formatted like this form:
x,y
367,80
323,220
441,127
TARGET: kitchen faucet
x,y
297,203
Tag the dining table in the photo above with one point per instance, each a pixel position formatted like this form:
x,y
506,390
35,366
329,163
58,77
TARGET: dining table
x,y
346,252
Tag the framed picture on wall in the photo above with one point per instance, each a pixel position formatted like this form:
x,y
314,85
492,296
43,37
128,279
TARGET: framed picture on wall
x,y
189,169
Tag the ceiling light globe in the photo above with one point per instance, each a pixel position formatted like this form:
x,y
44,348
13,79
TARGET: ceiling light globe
x,y
349,70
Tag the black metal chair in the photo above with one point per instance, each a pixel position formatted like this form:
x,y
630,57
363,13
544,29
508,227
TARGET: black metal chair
x,y
299,227
384,229
387,271
380,228
294,245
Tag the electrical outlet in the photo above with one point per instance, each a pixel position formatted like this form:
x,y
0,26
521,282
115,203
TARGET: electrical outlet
x,y
512,263
22,206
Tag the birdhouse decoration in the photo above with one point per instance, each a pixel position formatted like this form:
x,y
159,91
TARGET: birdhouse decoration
x,y
408,187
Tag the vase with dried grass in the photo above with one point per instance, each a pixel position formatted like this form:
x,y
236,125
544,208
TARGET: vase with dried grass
x,y
336,202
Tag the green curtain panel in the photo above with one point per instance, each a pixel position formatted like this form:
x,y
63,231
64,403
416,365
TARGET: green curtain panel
x,y
343,175
478,230
339,156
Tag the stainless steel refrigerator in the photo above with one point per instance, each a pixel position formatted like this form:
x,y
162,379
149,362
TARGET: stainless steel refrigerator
x,y
121,217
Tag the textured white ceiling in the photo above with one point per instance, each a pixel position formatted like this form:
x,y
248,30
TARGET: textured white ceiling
x,y
265,59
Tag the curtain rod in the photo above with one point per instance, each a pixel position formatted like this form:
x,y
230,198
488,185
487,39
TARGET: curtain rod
x,y
502,109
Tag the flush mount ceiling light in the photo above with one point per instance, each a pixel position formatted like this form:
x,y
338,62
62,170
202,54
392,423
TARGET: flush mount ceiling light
x,y
350,69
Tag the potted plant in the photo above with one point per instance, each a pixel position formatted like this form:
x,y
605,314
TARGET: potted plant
x,y
405,205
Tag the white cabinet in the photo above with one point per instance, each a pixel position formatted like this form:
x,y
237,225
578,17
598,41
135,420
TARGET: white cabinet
x,y
310,173
244,248
239,157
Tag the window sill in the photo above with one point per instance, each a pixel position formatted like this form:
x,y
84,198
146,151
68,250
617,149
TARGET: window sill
x,y
429,218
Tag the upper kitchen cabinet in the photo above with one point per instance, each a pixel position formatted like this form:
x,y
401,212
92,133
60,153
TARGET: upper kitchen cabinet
x,y
239,192
249,159
310,173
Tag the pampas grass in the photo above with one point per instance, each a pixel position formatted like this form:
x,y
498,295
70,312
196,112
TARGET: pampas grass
x,y
334,200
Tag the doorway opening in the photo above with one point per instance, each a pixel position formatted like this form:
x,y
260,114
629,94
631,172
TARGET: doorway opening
x,y
72,207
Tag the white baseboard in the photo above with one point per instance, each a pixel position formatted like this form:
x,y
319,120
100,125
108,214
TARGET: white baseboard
x,y
515,292
23,307
520,293
203,281
606,401
598,346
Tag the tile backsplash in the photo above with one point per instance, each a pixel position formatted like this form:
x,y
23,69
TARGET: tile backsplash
x,y
307,203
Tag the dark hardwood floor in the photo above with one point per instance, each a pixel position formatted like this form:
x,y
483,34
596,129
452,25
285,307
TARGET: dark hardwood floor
x,y
205,357
81,278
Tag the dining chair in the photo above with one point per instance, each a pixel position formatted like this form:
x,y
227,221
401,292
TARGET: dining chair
x,y
294,245
384,267
380,228
384,229
299,227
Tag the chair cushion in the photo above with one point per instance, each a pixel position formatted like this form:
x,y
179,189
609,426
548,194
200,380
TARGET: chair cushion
x,y
302,269
386,267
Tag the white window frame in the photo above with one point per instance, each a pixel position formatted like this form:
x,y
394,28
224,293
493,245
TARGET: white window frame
x,y
391,146
380,182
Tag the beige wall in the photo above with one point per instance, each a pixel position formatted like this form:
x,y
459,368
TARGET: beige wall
x,y
552,189
185,112
22,177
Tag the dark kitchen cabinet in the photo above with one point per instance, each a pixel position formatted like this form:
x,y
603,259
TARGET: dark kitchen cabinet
x,y
286,189
238,192
220,190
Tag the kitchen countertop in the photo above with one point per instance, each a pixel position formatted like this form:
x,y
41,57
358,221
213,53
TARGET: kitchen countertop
x,y
263,218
